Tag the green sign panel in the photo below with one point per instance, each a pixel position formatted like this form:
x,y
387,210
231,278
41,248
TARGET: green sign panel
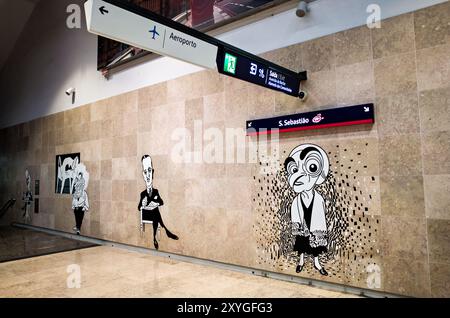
x,y
229,65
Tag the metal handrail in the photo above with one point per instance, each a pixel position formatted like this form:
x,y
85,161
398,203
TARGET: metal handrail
x,y
6,206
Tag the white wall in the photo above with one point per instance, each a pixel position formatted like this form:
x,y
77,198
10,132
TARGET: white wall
x,y
49,57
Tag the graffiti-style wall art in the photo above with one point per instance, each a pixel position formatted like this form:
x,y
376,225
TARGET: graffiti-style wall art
x,y
65,172
150,201
315,214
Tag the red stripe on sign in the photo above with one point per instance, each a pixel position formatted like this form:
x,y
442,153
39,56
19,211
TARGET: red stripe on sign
x,y
345,123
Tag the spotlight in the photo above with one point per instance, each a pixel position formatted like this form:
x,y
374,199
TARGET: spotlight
x,y
70,91
302,9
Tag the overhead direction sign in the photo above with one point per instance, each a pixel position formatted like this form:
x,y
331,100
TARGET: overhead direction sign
x,y
258,72
335,117
113,22
127,23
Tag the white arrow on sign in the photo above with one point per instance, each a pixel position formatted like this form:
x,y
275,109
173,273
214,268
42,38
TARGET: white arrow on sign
x,y
124,26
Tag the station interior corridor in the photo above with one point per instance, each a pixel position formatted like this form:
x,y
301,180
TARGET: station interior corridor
x,y
283,149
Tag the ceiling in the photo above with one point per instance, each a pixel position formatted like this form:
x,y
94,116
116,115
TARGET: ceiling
x,y
13,17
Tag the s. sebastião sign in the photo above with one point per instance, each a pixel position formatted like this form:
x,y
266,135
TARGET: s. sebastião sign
x,y
335,117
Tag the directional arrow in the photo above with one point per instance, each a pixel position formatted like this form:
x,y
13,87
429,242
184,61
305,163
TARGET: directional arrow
x,y
103,10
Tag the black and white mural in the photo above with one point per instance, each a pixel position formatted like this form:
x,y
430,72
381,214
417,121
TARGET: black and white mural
x,y
150,201
316,213
65,172
307,167
27,198
80,201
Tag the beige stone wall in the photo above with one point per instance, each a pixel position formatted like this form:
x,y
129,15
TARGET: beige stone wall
x,y
404,68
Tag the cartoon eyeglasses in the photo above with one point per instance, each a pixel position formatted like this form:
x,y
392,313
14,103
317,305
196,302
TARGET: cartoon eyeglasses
x,y
311,165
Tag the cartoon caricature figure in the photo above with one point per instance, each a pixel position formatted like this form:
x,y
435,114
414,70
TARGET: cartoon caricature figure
x,y
307,166
150,201
27,198
80,202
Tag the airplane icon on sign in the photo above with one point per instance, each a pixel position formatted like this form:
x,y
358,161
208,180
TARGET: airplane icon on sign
x,y
154,32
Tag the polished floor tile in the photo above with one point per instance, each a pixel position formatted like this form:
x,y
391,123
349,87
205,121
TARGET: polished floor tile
x,y
17,243
113,272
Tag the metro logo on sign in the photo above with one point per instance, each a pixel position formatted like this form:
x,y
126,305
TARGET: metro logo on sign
x,y
230,63
317,119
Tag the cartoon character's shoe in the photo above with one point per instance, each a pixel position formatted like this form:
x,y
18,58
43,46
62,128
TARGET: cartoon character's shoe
x,y
171,235
299,268
322,271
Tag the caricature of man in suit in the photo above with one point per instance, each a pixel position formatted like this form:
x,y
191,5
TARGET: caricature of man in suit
x,y
150,201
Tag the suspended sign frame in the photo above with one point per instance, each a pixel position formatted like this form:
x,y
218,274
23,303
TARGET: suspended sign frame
x,y
127,23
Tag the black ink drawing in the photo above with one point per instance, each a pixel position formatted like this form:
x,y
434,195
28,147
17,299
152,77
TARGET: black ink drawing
x,y
150,201
350,197
65,172
80,202
27,198
308,166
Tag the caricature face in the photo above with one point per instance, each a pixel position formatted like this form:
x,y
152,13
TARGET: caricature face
x,y
147,171
81,176
307,165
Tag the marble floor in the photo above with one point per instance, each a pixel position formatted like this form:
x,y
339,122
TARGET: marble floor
x,y
17,243
113,272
